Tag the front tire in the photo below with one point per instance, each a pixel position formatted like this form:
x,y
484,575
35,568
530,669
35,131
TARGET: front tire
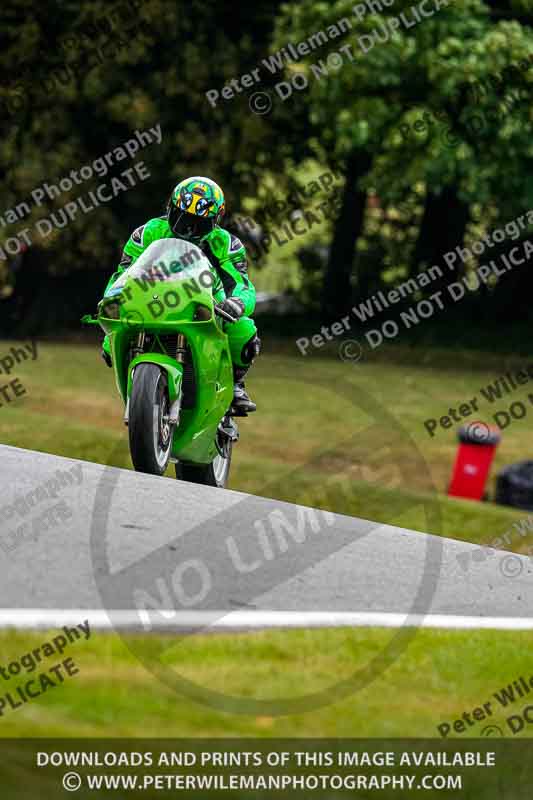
x,y
150,433
214,474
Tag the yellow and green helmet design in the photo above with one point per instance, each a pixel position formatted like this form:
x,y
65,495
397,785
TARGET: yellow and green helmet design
x,y
194,208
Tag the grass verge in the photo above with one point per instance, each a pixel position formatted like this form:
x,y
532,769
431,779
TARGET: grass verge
x,y
440,676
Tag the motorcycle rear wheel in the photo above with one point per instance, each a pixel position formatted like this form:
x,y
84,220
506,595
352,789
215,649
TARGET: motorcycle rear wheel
x,y
150,433
214,474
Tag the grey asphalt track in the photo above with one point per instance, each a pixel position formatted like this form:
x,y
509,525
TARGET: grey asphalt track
x,y
128,540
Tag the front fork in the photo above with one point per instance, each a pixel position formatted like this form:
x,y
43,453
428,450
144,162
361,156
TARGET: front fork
x,y
174,375
174,411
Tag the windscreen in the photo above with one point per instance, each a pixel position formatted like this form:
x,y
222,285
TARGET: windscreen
x,y
166,260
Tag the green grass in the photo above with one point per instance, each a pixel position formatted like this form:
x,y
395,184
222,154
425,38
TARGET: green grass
x,y
347,438
441,675
342,437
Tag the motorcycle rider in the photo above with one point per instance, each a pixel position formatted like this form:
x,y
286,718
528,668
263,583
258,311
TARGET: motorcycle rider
x,y
194,211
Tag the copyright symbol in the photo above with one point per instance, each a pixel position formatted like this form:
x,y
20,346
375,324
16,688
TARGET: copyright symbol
x,y
260,103
511,566
71,781
15,103
133,319
478,431
492,730
350,350
450,140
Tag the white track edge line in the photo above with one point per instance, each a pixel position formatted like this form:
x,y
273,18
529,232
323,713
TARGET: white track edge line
x,y
220,621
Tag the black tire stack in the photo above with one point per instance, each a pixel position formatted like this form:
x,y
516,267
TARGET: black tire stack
x,y
514,486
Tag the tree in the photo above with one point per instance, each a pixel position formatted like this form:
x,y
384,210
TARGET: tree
x,y
440,108
87,75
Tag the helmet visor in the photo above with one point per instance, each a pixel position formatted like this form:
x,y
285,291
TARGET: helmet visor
x,y
189,225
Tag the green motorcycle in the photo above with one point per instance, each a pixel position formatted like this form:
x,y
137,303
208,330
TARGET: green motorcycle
x,y
172,363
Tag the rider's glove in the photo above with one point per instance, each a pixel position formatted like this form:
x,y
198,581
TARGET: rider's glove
x,y
233,306
107,358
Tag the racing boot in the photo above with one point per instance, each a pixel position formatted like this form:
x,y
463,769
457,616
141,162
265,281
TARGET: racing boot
x,y
241,404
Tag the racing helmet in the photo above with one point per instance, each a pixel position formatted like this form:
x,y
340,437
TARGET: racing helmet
x,y
195,206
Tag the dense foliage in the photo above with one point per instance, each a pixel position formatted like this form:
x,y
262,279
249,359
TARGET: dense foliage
x,y
431,129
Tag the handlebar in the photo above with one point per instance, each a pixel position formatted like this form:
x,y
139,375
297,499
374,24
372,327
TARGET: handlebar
x,y
225,315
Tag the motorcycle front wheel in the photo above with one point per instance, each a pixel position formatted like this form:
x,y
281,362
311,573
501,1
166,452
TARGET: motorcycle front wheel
x,y
150,432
